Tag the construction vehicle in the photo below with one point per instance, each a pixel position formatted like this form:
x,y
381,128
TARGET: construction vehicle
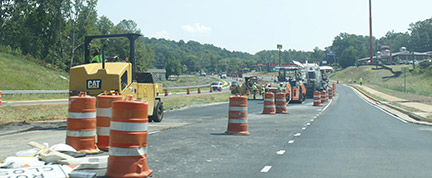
x,y
313,79
247,85
121,77
293,76
325,79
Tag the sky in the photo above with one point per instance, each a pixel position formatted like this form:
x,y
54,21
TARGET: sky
x,y
255,25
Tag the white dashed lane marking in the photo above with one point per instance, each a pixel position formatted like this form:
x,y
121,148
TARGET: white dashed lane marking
x,y
291,141
280,152
266,169
304,128
297,135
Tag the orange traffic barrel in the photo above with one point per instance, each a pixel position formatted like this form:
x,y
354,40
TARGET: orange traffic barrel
x,y
81,123
103,118
248,92
323,97
188,91
166,92
326,95
269,103
334,89
281,103
199,90
317,98
0,97
211,89
128,139
237,115
330,91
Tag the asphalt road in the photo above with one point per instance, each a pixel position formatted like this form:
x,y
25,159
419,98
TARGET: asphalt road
x,y
349,138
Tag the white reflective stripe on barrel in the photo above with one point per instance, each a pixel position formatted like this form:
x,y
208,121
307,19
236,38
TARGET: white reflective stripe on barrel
x,y
280,99
128,126
238,108
269,106
116,151
104,112
75,133
237,121
269,99
103,131
81,115
281,106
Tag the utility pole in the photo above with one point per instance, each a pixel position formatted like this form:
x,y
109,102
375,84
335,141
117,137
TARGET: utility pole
x,y
370,31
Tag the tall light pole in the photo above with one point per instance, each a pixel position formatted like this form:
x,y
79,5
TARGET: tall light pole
x,y
370,31
279,46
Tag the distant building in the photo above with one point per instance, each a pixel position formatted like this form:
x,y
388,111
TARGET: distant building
x,y
161,73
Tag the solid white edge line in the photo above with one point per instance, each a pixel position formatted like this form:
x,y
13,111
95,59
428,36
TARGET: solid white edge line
x,y
374,105
266,169
327,106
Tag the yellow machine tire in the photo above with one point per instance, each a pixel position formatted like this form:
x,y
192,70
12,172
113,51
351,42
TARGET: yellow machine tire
x,y
157,112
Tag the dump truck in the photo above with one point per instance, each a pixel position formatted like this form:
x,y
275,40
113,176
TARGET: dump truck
x,y
118,76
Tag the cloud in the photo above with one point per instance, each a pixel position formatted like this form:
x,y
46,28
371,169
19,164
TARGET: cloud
x,y
162,34
196,28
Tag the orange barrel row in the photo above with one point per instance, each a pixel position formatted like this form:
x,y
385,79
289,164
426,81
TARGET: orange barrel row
x,y
128,139
281,103
317,98
199,90
81,123
166,92
330,91
334,89
237,115
188,91
103,118
269,103
326,95
211,89
0,97
323,96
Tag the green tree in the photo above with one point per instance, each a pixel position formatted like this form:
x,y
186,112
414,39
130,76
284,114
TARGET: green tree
x,y
348,57
173,67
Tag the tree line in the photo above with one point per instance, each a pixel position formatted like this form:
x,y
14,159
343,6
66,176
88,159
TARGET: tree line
x,y
54,30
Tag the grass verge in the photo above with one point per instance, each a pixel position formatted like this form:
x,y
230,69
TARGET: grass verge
x,y
32,113
59,112
26,97
176,102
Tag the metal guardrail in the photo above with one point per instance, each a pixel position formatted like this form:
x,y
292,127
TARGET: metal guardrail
x,y
10,92
184,87
6,92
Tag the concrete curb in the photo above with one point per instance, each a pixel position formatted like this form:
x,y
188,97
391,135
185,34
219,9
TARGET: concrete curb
x,y
404,111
